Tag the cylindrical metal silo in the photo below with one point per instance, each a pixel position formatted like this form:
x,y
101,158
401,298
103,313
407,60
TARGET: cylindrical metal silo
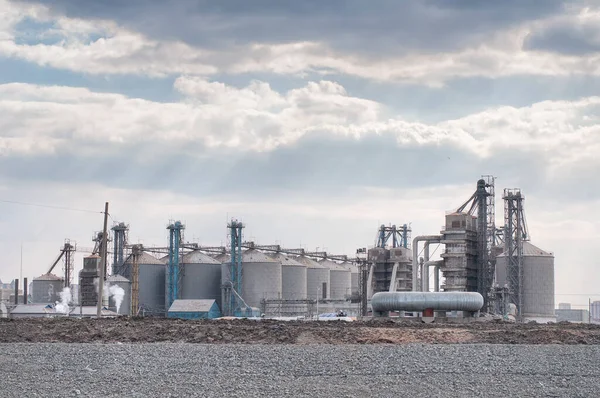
x,y
46,289
261,278
354,277
125,284
317,279
340,280
201,277
293,277
538,281
152,274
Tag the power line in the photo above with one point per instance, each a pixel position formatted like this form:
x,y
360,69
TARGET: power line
x,y
50,206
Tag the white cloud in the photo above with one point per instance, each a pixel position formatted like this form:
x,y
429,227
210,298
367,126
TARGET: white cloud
x,y
102,47
258,118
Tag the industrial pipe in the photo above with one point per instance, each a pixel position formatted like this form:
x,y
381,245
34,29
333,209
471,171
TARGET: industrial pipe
x,y
415,262
420,301
25,291
425,274
16,291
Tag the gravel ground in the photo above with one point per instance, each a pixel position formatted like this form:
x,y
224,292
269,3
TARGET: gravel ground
x,y
234,370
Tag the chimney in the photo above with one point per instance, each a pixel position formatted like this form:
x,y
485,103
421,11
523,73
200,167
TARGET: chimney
x,y
16,291
24,290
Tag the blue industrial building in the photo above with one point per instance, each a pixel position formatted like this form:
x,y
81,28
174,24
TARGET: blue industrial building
x,y
194,309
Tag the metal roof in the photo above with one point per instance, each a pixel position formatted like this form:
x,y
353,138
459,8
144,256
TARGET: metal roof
x,y
223,258
197,257
333,265
254,256
531,250
117,278
286,260
145,258
348,265
33,309
182,305
308,262
49,277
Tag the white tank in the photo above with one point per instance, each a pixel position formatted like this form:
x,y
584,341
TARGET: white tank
x,y
293,277
538,281
46,289
261,278
354,277
201,277
340,280
317,279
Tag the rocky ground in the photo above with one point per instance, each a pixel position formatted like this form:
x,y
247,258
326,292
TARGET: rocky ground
x,y
143,330
279,370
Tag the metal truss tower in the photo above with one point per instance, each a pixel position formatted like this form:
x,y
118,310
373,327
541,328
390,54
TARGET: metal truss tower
x,y
400,236
235,267
515,232
120,235
173,271
68,251
136,251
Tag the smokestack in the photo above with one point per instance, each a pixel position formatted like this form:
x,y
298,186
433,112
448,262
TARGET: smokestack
x,y
24,290
16,291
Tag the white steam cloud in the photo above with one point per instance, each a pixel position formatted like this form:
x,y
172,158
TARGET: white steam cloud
x,y
65,299
117,294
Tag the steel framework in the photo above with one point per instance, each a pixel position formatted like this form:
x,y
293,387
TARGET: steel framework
x,y
400,236
232,289
120,237
515,233
173,271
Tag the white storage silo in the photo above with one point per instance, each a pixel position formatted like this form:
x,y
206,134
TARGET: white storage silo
x,y
123,283
152,281
317,279
293,277
538,281
354,277
200,277
261,278
340,280
46,289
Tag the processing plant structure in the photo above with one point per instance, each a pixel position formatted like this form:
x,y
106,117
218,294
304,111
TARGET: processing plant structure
x,y
481,269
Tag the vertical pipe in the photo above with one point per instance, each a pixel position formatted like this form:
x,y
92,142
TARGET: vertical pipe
x,y
425,270
16,291
102,264
24,290
436,278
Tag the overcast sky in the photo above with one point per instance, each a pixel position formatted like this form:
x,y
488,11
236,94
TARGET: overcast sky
x,y
313,122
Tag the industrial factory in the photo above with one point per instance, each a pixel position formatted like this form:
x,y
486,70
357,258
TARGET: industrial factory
x,y
481,271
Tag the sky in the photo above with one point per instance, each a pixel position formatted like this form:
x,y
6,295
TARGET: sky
x,y
312,122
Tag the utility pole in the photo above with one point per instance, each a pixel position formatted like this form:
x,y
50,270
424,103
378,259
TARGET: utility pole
x,y
103,253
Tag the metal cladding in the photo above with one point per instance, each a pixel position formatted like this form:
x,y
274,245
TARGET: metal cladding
x,y
460,257
152,274
125,284
354,277
317,279
340,280
261,278
419,301
201,277
538,280
46,289
293,277
88,291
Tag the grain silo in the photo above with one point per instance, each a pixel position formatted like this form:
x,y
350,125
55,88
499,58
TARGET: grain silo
x,y
125,284
538,281
340,280
46,289
200,277
152,274
261,278
354,277
317,279
293,277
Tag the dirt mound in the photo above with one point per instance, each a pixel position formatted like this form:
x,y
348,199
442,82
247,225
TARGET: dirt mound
x,y
376,331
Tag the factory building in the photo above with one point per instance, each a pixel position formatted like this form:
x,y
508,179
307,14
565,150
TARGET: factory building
x,y
460,239
194,309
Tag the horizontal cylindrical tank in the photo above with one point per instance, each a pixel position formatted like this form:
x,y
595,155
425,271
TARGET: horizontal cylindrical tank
x,y
419,301
538,280
339,278
46,289
152,274
293,277
124,307
201,277
261,278
317,279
